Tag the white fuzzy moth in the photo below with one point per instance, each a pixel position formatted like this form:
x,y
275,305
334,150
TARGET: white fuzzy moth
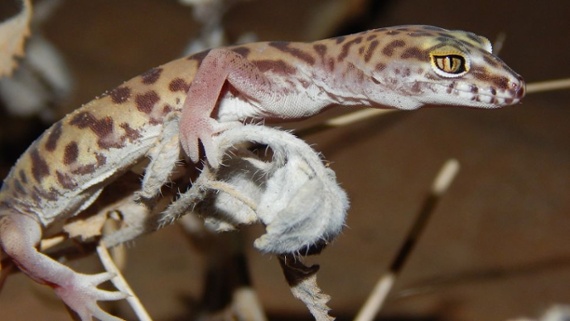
x,y
294,195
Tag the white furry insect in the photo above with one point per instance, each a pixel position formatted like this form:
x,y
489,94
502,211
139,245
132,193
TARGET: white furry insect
x,y
295,196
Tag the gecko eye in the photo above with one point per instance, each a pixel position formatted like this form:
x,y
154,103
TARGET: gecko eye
x,y
450,65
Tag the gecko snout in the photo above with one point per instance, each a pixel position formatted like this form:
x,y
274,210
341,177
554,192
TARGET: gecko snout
x,y
520,88
517,88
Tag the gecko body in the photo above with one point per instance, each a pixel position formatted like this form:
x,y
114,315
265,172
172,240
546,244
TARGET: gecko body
x,y
171,108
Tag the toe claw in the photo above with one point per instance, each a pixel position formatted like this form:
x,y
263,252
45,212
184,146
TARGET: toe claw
x,y
99,278
81,295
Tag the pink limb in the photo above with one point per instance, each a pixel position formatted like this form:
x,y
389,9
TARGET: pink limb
x,y
197,122
19,235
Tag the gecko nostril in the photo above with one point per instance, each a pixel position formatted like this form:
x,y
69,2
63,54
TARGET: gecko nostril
x,y
521,91
517,87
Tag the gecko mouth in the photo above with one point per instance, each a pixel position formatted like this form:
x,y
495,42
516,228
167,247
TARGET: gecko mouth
x,y
487,97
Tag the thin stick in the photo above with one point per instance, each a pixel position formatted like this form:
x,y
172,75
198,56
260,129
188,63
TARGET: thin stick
x,y
121,284
548,85
499,42
51,242
376,298
356,116
364,114
380,292
343,120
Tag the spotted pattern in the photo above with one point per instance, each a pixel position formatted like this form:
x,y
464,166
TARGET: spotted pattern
x,y
90,168
321,50
388,50
275,66
71,153
98,139
23,176
178,85
286,47
198,57
53,137
120,95
370,50
101,127
40,168
151,76
66,180
145,102
130,133
346,47
415,53
380,67
242,51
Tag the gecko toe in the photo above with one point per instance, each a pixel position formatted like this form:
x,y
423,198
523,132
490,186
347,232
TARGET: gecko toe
x,y
81,295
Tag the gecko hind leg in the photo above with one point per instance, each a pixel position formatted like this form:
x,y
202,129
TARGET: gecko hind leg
x,y
19,235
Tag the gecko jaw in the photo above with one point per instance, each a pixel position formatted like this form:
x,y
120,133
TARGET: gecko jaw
x,y
480,97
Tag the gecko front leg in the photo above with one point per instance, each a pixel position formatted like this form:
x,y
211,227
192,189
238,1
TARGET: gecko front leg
x,y
197,122
163,158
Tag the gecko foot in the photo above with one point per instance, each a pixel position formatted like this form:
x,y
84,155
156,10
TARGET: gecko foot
x,y
80,293
203,130
19,235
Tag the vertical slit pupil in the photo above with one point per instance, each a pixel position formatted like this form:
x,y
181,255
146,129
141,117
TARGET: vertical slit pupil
x,y
453,64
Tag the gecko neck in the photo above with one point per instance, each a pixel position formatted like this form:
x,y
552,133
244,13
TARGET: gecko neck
x,y
350,84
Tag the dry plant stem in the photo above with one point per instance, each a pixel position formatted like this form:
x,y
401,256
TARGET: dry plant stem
x,y
247,305
380,292
302,281
356,116
343,120
227,188
365,114
548,85
120,283
51,242
499,42
119,252
376,298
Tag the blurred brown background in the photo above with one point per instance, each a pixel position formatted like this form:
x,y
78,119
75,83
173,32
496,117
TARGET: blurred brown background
x,y
497,246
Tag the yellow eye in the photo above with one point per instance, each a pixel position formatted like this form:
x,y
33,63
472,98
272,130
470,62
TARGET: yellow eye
x,y
451,64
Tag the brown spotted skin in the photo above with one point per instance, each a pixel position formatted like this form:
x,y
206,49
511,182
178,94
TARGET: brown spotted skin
x,y
65,169
90,147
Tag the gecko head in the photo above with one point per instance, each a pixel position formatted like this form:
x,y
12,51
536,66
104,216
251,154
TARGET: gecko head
x,y
438,66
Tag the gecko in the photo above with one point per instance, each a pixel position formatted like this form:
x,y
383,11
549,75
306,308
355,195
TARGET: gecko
x,y
169,112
